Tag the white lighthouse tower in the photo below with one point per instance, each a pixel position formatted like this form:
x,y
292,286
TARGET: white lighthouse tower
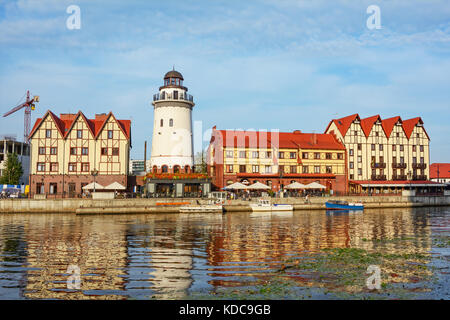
x,y
172,147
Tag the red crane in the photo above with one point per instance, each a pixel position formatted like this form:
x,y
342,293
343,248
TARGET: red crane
x,y
28,105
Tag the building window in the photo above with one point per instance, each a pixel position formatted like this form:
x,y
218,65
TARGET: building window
x,y
115,151
293,169
359,146
255,154
281,155
104,151
401,147
356,133
53,150
241,154
293,155
79,134
85,167
268,154
350,152
316,155
48,133
305,169
268,169
421,148
41,150
414,148
402,159
422,160
164,169
72,167
161,123
171,123
316,169
414,160
84,151
304,155
381,147
281,169
39,188
340,156
372,147
351,165
394,159
359,159
255,169
229,168
187,169
328,156
110,134
360,172
352,177
54,166
53,188
229,154
393,147
176,169
40,166
73,151
242,168
329,169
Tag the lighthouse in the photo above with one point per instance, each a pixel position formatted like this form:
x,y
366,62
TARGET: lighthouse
x,y
172,142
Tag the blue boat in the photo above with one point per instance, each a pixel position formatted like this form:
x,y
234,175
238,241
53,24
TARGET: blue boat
x,y
343,205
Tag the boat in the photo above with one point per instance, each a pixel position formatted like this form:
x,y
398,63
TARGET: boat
x,y
265,205
343,205
205,208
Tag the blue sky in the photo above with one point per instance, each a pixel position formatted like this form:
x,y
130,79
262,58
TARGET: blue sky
x,y
255,64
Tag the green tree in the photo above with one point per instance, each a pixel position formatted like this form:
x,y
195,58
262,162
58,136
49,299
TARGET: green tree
x,y
13,170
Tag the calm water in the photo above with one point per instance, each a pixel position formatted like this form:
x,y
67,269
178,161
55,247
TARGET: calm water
x,y
171,256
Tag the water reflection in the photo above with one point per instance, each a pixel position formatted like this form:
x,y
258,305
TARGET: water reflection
x,y
167,256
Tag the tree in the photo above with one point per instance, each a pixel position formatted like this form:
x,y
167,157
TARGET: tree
x,y
13,170
200,162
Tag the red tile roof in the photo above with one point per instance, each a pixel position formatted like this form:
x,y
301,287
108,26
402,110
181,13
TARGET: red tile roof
x,y
444,170
65,122
388,125
343,124
292,140
367,124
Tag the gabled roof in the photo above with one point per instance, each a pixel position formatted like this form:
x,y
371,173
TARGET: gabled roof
x,y
343,124
444,170
65,123
388,124
410,124
291,140
367,124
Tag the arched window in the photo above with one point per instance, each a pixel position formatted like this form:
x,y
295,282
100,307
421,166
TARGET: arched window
x,y
161,122
155,169
176,169
186,169
164,169
171,123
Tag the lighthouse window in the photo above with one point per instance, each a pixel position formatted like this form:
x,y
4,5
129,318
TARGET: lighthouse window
x,y
171,122
172,81
161,123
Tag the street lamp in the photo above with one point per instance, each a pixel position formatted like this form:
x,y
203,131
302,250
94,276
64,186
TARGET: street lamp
x,y
94,173
409,178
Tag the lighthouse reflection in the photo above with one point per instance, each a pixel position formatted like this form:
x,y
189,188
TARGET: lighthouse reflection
x,y
170,256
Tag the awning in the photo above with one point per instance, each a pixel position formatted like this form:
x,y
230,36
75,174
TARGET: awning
x,y
115,186
91,185
315,185
295,185
236,186
258,186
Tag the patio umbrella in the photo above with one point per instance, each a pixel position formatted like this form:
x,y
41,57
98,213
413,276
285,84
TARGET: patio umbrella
x,y
295,185
91,185
315,185
115,186
236,186
258,186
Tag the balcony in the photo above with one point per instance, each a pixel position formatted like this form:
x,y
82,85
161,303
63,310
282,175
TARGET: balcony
x,y
379,177
420,177
419,165
399,165
378,165
399,177
167,96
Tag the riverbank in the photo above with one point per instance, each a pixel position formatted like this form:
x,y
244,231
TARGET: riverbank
x,y
134,206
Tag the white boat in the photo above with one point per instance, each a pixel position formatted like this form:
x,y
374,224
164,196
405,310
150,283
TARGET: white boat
x,y
265,205
213,208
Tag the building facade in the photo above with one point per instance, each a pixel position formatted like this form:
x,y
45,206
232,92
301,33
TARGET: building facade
x,y
440,172
276,159
139,167
71,151
10,145
383,149
172,146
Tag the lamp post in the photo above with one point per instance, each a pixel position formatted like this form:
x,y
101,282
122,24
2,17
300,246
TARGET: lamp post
x,y
94,173
409,178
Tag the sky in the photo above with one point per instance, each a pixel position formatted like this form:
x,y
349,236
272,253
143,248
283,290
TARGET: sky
x,y
256,64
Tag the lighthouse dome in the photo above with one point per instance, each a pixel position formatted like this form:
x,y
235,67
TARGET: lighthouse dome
x,y
173,74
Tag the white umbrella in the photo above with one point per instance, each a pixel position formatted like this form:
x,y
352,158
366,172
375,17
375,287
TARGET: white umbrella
x,y
235,186
295,185
315,185
91,185
115,186
258,186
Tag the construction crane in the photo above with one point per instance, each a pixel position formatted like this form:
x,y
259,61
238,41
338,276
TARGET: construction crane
x,y
29,105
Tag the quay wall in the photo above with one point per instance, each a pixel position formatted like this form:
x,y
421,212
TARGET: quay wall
x,y
122,206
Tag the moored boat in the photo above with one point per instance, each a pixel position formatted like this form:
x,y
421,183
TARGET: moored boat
x,y
343,205
206,208
265,205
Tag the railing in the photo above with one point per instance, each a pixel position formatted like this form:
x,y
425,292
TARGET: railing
x,y
167,96
399,177
378,177
380,165
419,165
399,165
